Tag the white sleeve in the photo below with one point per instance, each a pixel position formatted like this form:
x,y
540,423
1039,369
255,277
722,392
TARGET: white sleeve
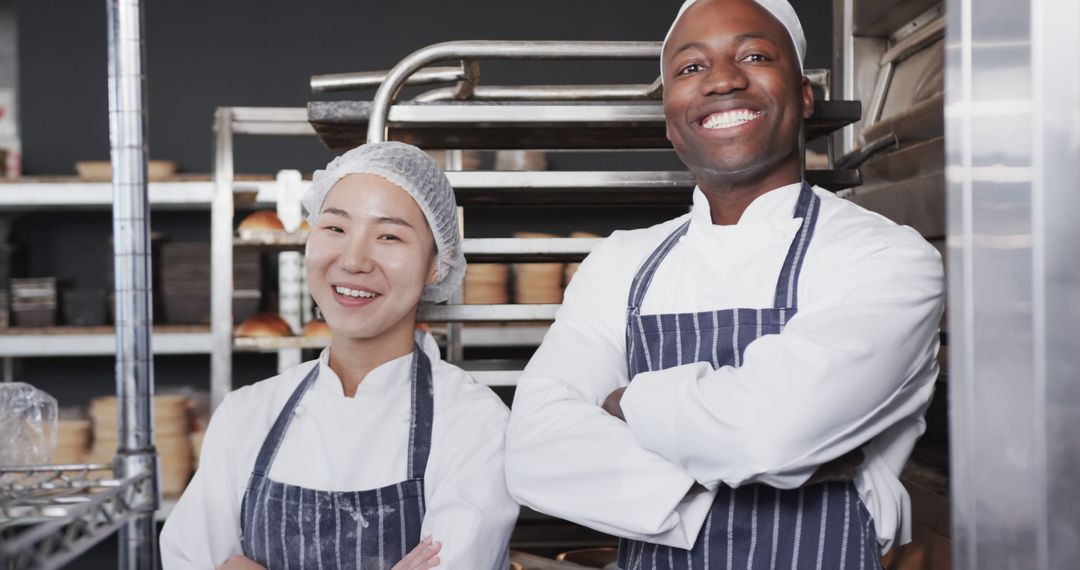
x,y
858,358
569,458
468,508
203,531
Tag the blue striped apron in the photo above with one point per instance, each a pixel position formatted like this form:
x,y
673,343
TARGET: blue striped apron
x,y
753,526
286,526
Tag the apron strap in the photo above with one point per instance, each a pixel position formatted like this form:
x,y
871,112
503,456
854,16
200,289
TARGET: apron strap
x,y
423,413
787,288
642,279
644,276
277,432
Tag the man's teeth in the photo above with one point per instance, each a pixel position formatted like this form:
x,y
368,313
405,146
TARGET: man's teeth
x,y
354,292
729,119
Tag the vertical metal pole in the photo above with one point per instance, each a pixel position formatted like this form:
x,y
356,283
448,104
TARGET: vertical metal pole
x,y
455,344
221,259
131,242
843,71
1013,151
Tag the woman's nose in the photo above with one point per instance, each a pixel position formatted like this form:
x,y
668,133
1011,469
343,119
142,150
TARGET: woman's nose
x,y
357,257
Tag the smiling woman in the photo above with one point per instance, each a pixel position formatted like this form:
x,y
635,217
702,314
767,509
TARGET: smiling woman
x,y
369,258
399,444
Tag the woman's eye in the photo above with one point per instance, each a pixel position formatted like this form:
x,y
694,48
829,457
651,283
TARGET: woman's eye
x,y
389,237
335,229
692,68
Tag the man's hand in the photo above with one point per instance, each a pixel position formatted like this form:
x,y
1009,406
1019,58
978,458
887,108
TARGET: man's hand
x,y
841,469
613,404
239,562
424,556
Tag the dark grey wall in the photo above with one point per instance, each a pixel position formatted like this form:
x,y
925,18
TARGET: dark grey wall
x,y
203,54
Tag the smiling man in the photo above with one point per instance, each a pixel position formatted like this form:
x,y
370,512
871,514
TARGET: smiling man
x,y
739,387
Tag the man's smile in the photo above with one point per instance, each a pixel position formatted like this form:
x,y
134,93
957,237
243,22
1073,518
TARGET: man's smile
x,y
729,119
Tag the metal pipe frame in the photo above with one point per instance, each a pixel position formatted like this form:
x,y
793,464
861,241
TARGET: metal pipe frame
x,y
495,50
136,456
630,92
1013,151
229,122
337,82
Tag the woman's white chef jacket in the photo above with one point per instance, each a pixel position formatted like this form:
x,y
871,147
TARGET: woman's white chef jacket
x,y
857,364
337,443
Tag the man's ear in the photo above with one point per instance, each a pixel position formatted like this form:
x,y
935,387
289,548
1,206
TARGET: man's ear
x,y
808,98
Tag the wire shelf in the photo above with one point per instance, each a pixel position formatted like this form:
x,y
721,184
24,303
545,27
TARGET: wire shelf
x,y
50,514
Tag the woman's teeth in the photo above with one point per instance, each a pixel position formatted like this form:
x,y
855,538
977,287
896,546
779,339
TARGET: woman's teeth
x,y
729,119
354,292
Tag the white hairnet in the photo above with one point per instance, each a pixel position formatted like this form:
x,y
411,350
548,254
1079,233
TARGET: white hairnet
x,y
412,170
780,9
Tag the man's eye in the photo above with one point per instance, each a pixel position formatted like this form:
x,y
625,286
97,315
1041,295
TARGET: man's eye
x,y
335,229
756,58
692,68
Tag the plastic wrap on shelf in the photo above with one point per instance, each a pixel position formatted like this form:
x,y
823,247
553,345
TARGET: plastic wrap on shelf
x,y
27,425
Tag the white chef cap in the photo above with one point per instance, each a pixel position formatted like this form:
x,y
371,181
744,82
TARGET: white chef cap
x,y
412,170
780,9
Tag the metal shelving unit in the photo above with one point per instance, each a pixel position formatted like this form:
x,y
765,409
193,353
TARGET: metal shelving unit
x,y
96,341
51,514
468,115
74,194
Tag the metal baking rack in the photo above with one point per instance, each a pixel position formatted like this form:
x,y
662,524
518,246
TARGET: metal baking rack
x,y
467,115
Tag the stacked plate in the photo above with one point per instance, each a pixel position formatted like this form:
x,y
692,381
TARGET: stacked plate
x,y
72,441
172,429
486,284
537,283
33,302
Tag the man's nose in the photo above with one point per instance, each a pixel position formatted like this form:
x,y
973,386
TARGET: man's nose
x,y
724,77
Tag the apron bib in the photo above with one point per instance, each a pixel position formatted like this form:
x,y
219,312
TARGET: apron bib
x,y
754,526
288,526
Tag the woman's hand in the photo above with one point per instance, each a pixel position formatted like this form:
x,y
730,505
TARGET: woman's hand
x,y
424,556
239,562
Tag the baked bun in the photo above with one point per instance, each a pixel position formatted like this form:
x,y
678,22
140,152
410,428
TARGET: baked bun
x,y
262,220
317,329
264,325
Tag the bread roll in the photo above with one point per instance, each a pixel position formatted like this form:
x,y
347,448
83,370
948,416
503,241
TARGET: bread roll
x,y
261,220
264,325
317,329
